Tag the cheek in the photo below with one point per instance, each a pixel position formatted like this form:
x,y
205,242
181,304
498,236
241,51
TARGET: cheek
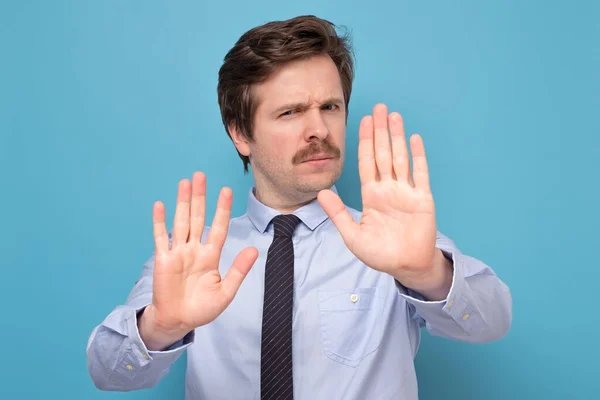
x,y
275,148
284,149
276,145
284,140
337,130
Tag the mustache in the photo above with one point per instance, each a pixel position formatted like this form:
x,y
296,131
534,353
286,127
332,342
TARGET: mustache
x,y
321,147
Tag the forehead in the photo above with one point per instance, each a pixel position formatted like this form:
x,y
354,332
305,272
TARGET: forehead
x,y
315,80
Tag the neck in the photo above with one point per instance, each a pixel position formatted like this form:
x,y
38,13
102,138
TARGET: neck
x,y
285,203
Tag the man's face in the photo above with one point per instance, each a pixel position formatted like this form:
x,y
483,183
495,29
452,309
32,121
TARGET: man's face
x,y
299,128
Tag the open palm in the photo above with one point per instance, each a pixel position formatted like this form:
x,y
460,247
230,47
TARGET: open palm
x,y
188,290
397,232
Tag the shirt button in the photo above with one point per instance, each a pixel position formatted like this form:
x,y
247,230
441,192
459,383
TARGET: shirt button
x,y
146,356
354,298
129,367
450,303
465,316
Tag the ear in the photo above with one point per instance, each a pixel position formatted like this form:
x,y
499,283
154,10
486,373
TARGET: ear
x,y
240,141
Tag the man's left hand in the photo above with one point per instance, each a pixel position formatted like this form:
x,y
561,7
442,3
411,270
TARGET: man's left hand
x,y
397,232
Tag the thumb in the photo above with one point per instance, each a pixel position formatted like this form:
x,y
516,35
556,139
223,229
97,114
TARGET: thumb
x,y
339,215
242,264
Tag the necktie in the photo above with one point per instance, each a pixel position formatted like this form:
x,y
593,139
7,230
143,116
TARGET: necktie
x,y
276,345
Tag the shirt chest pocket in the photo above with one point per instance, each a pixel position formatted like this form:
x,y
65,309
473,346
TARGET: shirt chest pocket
x,y
351,323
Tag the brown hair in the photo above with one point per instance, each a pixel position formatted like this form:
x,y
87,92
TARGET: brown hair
x,y
263,49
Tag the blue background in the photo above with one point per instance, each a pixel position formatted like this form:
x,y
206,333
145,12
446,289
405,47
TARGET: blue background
x,y
105,105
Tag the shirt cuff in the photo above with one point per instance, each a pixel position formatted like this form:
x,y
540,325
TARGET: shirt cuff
x,y
140,354
456,305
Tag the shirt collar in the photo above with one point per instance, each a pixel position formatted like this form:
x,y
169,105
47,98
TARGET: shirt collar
x,y
311,214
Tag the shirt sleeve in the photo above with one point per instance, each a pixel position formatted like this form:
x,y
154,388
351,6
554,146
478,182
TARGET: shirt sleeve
x,y
117,358
478,307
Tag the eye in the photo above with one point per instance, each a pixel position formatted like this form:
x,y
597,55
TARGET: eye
x,y
330,107
287,113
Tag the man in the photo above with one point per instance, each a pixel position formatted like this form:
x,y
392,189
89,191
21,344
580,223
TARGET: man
x,y
301,296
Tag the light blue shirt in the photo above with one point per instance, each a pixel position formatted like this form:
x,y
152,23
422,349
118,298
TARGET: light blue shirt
x,y
355,330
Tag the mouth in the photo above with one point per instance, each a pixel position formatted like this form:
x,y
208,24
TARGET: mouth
x,y
319,157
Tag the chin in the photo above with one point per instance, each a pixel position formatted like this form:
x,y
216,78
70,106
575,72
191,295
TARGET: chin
x,y
315,184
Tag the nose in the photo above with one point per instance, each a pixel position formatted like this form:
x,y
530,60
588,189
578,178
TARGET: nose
x,y
315,126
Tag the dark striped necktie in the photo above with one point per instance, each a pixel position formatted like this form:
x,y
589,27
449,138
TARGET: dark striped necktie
x,y
276,346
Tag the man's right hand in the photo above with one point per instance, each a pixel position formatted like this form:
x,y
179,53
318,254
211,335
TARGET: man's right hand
x,y
188,290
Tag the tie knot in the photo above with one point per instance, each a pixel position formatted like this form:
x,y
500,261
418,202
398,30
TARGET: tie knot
x,y
285,224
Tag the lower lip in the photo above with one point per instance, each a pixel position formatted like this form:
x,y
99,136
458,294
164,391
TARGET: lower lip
x,y
318,163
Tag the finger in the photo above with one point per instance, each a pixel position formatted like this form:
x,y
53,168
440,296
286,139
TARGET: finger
x,y
383,150
198,207
367,169
181,226
339,215
220,225
400,159
161,237
420,168
238,271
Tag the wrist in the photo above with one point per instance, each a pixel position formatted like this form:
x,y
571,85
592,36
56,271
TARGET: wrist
x,y
435,283
156,336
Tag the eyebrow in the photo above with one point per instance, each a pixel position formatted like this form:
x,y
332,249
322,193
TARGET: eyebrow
x,y
303,105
